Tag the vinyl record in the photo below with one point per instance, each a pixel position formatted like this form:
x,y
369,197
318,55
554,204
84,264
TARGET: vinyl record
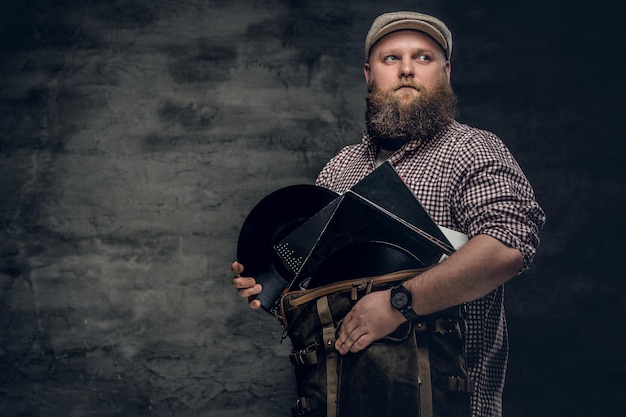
x,y
272,219
363,259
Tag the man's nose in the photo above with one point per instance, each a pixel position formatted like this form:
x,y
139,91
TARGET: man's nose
x,y
407,69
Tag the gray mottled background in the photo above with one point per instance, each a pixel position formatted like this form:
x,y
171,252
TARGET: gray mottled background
x,y
135,136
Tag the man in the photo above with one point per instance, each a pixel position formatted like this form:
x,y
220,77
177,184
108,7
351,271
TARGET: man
x,y
465,177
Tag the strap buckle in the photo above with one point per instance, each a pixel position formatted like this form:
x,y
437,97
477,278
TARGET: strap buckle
x,y
461,385
303,406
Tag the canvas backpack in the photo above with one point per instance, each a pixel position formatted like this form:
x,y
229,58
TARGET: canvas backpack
x,y
419,370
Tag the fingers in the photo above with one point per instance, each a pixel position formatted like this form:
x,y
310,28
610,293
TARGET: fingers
x,y
351,337
246,287
247,284
354,342
243,282
236,267
254,303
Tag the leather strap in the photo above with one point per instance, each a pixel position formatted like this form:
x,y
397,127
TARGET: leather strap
x,y
423,366
460,384
307,356
328,333
304,406
299,297
449,326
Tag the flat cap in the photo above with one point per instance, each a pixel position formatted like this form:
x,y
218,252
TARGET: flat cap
x,y
391,22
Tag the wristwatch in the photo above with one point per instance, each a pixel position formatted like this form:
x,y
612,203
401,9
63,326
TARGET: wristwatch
x,y
402,300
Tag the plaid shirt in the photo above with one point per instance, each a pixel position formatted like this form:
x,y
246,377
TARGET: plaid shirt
x,y
468,181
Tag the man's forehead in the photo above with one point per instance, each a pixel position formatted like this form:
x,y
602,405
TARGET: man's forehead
x,y
407,37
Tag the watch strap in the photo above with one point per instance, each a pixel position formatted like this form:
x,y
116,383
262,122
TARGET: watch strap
x,y
407,311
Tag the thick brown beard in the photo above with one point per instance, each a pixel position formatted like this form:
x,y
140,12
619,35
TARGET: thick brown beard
x,y
392,124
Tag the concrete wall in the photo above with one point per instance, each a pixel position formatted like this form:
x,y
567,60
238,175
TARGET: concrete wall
x,y
135,136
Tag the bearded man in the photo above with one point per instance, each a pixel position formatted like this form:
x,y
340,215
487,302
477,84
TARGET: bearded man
x,y
467,180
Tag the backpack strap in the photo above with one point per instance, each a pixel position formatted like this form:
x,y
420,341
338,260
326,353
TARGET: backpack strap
x,y
306,356
304,406
455,383
297,298
423,365
328,333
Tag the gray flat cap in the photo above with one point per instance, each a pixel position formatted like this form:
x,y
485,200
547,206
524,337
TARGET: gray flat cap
x,y
391,22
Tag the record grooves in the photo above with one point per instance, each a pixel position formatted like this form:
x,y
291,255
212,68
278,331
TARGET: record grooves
x,y
271,220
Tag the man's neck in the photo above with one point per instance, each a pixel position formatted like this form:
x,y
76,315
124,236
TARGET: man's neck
x,y
383,155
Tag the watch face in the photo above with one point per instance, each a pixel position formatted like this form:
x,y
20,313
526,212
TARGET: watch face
x,y
400,299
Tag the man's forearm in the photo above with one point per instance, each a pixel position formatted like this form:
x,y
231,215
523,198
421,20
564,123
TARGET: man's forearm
x,y
480,266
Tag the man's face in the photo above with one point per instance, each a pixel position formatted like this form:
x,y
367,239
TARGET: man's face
x,y
410,97
406,62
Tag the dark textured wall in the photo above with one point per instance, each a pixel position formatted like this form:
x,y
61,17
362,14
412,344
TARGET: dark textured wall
x,y
136,135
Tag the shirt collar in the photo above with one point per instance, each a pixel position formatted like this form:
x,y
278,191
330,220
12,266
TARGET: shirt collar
x,y
410,146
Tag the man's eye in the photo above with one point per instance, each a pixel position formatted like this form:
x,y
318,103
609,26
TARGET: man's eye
x,y
423,58
391,58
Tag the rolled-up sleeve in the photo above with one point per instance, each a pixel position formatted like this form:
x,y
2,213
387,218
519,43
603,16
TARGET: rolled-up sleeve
x,y
495,198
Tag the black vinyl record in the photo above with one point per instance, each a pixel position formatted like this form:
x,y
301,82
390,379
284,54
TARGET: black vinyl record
x,y
362,259
271,220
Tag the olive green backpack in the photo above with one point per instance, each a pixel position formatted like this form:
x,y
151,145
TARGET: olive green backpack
x,y
419,370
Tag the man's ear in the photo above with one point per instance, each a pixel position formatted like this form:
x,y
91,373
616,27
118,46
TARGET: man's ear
x,y
367,72
448,69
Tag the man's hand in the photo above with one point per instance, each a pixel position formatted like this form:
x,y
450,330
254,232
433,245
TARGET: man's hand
x,y
246,286
372,318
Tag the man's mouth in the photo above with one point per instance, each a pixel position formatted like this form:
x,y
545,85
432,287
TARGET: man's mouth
x,y
408,91
407,87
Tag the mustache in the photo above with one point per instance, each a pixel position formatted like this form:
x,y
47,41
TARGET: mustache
x,y
373,89
409,83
